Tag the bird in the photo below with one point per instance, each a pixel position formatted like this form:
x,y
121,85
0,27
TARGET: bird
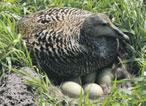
x,y
70,42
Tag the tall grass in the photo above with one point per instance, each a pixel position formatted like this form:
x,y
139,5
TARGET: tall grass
x,y
129,15
11,45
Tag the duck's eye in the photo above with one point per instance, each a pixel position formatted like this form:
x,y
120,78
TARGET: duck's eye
x,y
104,23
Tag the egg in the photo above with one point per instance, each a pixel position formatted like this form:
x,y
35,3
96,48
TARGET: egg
x,y
72,89
93,90
105,80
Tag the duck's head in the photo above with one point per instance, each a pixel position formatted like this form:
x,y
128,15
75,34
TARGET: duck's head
x,y
100,25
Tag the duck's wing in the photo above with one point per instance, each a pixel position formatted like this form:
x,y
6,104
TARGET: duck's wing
x,y
54,28
51,17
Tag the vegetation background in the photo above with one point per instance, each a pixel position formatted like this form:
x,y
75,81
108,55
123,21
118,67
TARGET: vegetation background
x,y
128,15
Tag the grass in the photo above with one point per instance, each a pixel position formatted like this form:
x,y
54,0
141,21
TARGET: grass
x,y
129,15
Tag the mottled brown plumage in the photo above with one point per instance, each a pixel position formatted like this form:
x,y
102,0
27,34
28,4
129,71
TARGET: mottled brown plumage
x,y
70,42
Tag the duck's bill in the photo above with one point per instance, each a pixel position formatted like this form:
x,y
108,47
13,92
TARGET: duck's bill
x,y
121,35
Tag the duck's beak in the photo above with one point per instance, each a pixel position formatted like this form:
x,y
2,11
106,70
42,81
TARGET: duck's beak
x,y
121,35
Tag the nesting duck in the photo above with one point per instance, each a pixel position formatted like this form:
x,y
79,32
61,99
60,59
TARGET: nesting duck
x,y
70,42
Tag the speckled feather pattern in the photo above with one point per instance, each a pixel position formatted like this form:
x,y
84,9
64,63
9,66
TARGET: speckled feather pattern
x,y
56,42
